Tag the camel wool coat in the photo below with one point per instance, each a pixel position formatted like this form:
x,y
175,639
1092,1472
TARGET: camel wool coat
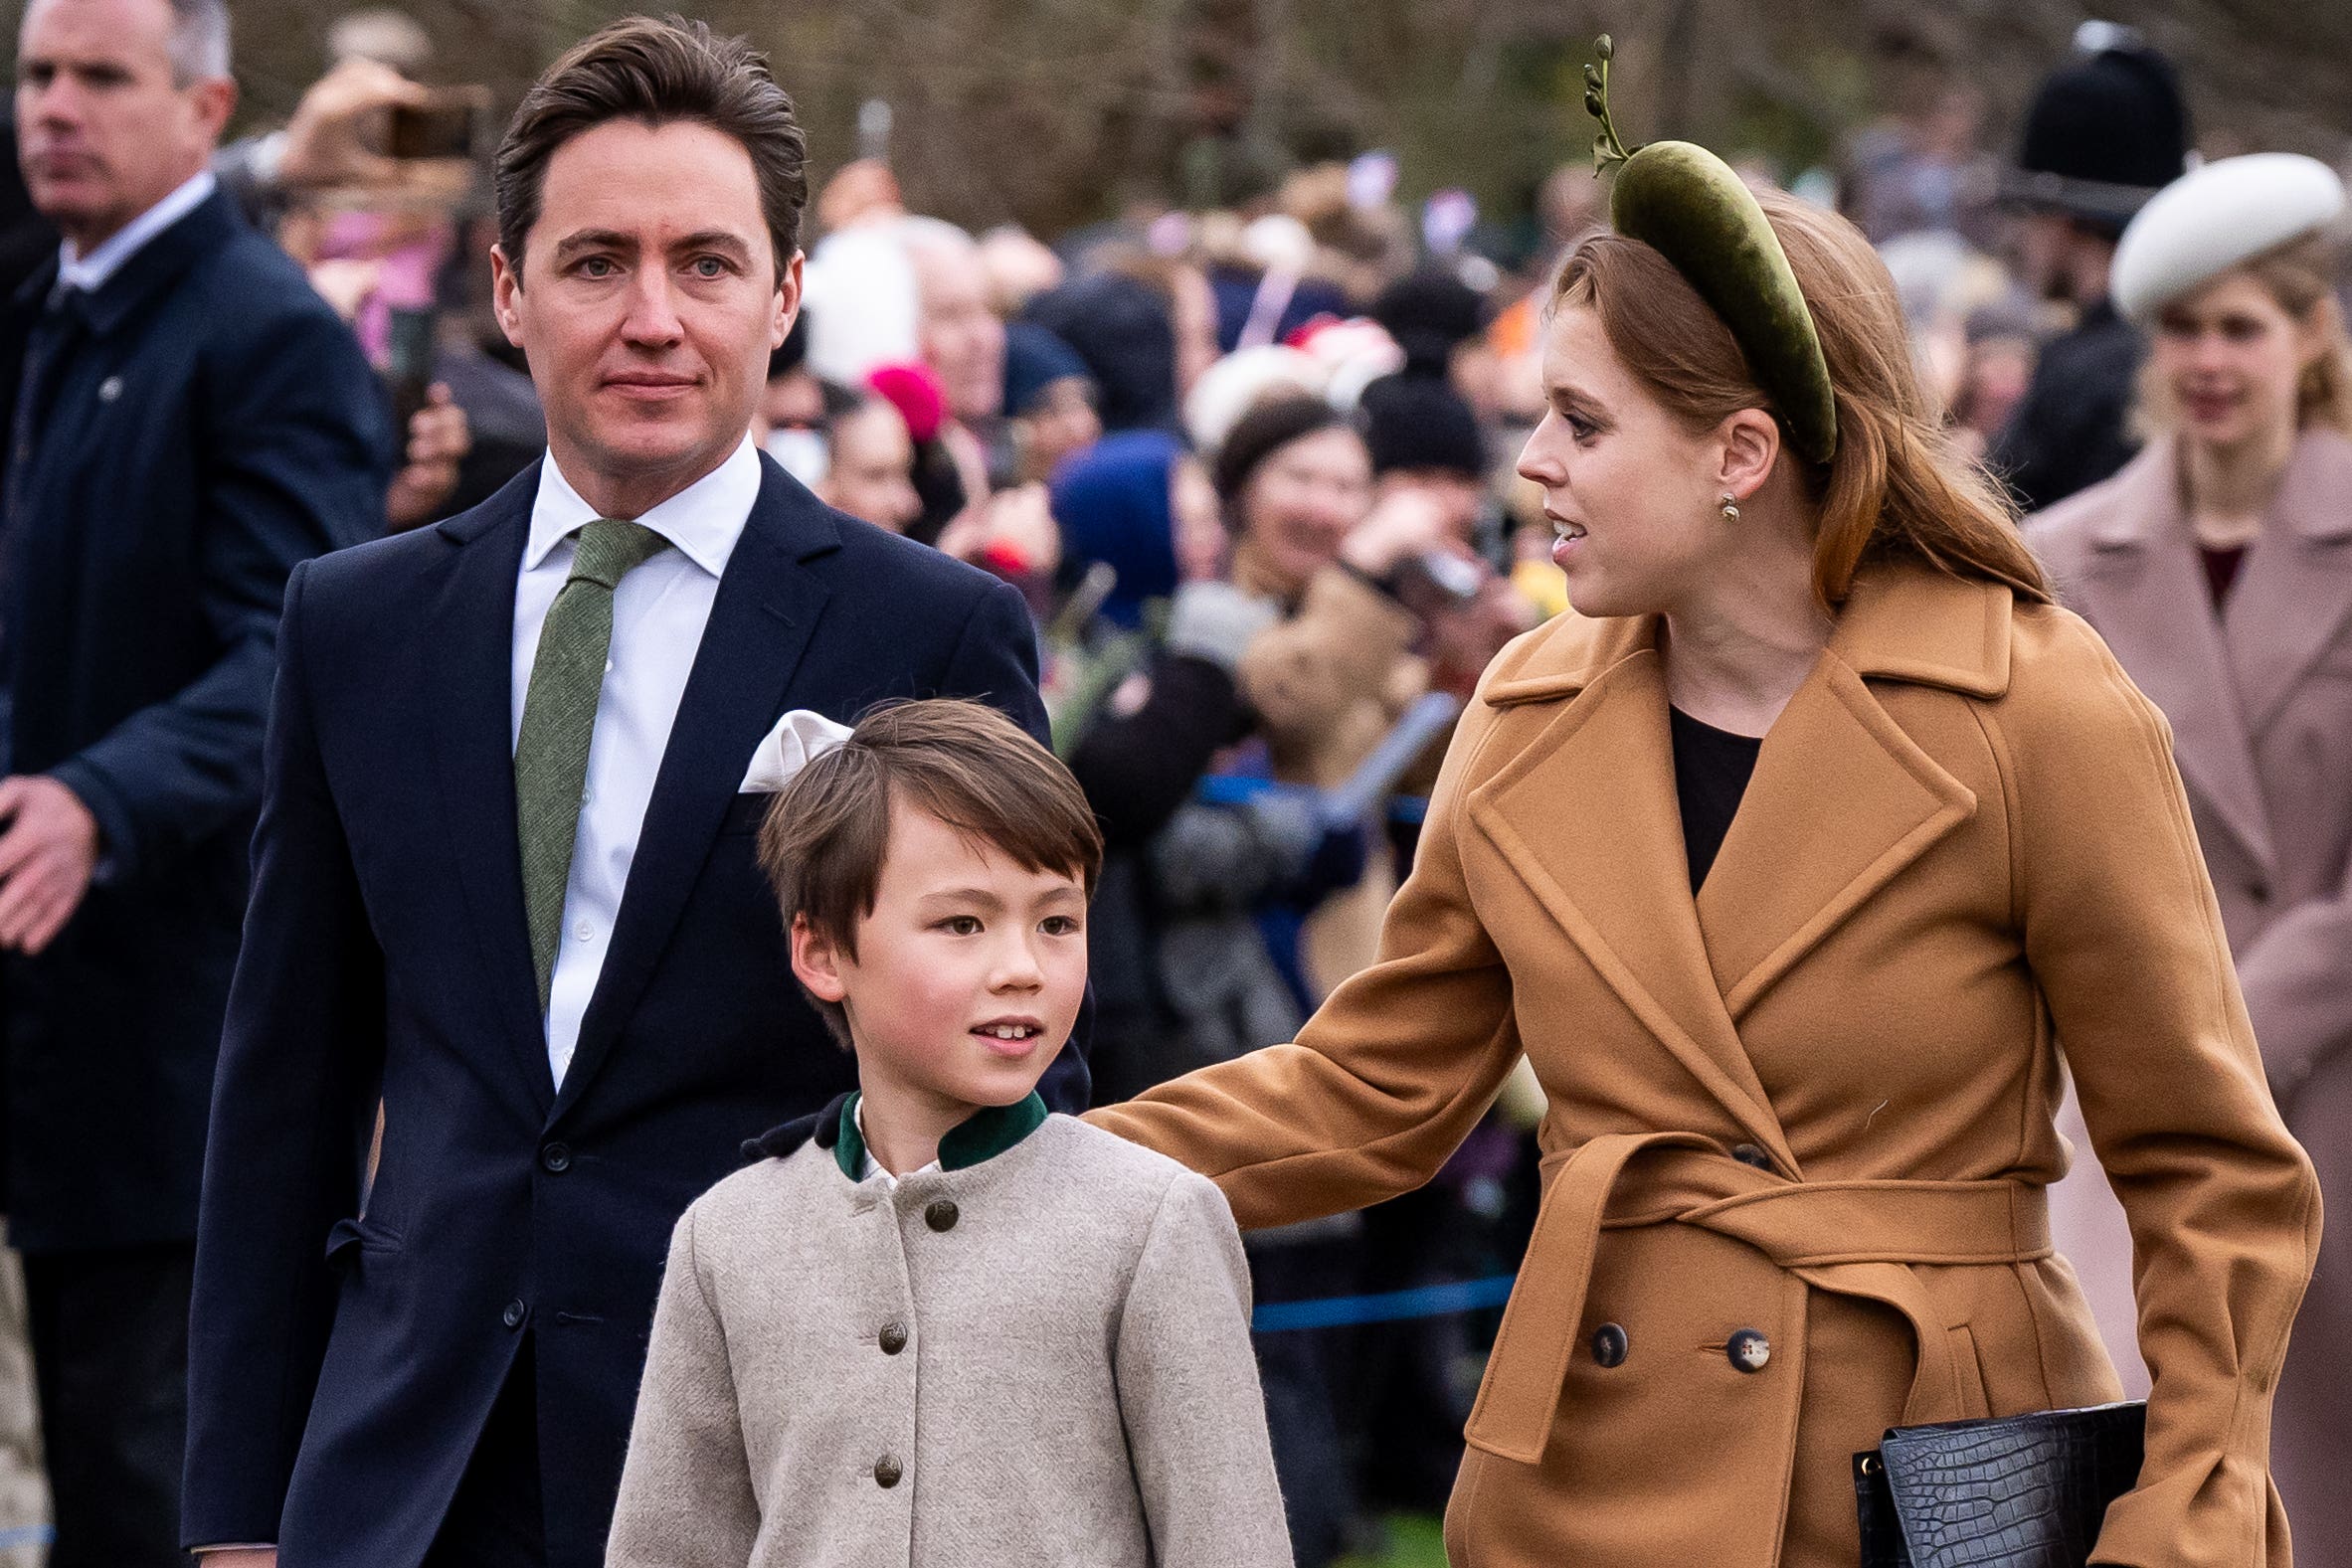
x,y
2260,699
1800,1127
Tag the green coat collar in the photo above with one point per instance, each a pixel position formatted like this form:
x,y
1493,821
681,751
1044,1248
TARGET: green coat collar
x,y
983,1136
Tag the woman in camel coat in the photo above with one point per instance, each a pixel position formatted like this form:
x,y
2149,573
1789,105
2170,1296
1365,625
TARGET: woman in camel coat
x,y
1800,1121
2219,565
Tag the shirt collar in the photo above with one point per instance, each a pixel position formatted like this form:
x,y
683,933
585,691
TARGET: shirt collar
x,y
980,1137
704,520
90,272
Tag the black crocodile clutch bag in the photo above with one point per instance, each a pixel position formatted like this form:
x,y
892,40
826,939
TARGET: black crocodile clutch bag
x,y
2019,1491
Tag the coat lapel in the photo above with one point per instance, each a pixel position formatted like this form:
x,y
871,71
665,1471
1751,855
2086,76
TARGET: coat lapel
x,y
765,608
1840,803
470,628
1586,816
2144,589
2297,590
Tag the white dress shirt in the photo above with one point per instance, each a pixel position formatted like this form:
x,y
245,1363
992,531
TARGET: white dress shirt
x,y
90,273
658,615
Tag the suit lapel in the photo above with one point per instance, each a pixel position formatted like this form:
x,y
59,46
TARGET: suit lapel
x,y
2145,591
1586,816
470,628
2296,591
766,609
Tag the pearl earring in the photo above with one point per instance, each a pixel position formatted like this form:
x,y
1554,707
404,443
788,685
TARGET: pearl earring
x,y
1731,509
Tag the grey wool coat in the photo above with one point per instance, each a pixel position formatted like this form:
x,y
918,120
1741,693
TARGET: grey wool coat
x,y
1041,1356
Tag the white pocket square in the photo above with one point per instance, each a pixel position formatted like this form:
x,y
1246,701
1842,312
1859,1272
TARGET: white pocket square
x,y
799,738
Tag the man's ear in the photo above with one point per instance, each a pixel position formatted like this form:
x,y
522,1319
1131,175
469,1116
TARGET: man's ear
x,y
506,282
215,101
1751,447
816,962
788,283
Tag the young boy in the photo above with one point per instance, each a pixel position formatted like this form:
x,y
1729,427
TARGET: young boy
x,y
950,1330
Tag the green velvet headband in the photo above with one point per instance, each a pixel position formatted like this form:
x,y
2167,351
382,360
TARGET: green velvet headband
x,y
1686,203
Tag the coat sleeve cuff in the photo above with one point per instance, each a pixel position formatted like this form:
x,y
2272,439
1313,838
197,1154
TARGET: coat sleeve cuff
x,y
117,838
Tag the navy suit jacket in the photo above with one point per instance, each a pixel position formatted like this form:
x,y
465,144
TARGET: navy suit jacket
x,y
209,425
345,1348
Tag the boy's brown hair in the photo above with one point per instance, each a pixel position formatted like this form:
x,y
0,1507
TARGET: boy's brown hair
x,y
965,762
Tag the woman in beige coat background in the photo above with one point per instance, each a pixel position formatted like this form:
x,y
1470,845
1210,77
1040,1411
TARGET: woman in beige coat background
x,y
1800,1122
2219,566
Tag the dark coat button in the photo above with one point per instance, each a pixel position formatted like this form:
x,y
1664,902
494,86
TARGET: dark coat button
x,y
555,1158
940,1216
893,1338
1750,1351
1609,1344
1749,1154
887,1470
515,1312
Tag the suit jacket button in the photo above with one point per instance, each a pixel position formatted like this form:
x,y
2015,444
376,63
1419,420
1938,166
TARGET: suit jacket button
x,y
1749,1154
1609,1344
555,1160
887,1470
940,1216
893,1338
1750,1351
515,1312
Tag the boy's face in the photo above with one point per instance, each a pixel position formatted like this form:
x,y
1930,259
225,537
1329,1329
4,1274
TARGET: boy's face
x,y
969,973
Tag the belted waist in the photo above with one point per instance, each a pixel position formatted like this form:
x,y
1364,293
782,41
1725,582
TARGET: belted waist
x,y
1857,1238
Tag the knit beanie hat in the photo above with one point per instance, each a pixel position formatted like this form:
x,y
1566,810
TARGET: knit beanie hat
x,y
1112,502
1430,312
1121,329
1034,359
1420,421
1265,430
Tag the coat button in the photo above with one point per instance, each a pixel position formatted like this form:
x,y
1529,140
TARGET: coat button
x,y
1749,1154
887,1470
1750,1351
940,1216
1609,1344
555,1158
515,1312
893,1338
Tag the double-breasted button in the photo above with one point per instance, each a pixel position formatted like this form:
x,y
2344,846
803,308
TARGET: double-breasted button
x,y
515,1312
1749,1350
887,1470
555,1158
1609,1344
941,1215
893,1338
1749,1154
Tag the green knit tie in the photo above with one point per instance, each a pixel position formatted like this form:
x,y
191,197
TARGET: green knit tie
x,y
559,717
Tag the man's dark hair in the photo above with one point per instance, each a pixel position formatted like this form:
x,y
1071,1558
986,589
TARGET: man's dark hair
x,y
660,72
965,762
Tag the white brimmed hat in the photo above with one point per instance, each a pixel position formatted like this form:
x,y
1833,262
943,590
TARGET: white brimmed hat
x,y
2215,217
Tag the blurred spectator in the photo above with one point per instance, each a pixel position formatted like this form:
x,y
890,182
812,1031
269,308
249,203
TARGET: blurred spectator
x,y
189,420
1123,329
2103,136
869,465
1423,435
1432,314
1049,397
1017,268
959,336
1243,379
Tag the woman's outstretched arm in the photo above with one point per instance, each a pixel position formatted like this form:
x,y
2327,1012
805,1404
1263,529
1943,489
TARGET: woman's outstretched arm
x,y
1387,1077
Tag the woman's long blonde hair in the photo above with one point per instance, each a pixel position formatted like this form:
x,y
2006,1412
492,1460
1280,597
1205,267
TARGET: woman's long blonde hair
x,y
2300,278
1898,487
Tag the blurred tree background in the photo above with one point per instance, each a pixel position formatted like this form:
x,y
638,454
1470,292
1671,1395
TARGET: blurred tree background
x,y
1054,112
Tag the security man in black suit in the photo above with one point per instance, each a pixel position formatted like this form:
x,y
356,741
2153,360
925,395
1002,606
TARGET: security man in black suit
x,y
185,420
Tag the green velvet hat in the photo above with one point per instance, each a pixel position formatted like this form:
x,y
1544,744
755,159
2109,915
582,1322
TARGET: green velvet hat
x,y
1686,203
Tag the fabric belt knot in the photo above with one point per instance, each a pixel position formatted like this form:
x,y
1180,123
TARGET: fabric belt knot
x,y
559,719
1857,1238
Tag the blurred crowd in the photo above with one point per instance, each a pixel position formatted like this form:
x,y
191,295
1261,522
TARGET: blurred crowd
x,y
1253,470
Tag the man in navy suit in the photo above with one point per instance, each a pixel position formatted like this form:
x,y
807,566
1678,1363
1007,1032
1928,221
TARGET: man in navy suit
x,y
504,880
186,420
